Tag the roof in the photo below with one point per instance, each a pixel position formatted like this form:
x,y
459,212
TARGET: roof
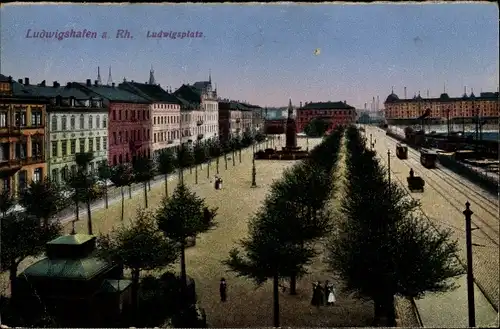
x,y
445,97
72,269
74,239
327,105
4,78
49,92
110,285
202,85
150,91
114,94
391,98
188,93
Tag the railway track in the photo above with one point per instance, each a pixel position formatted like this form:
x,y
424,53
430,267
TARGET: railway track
x,y
455,193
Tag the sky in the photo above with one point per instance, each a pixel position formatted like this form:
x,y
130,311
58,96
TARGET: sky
x,y
264,54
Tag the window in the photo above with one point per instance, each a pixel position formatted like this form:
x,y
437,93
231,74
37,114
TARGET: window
x,y
72,122
91,144
73,146
82,145
154,120
54,123
64,147
114,115
91,123
20,118
120,159
97,122
82,122
104,143
55,175
119,115
37,174
22,180
120,137
126,136
154,138
114,160
92,167
54,149
114,137
104,122
36,118
64,123
64,173
3,119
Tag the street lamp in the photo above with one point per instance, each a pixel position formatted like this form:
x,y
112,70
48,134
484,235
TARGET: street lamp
x,y
389,166
470,277
254,172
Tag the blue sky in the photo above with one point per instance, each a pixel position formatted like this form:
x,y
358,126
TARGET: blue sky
x,y
264,54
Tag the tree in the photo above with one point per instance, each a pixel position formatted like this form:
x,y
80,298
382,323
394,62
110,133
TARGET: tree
x,y
185,158
265,256
260,137
43,199
307,218
6,201
247,139
121,177
226,148
216,151
143,173
23,236
104,174
182,216
166,165
140,246
316,128
378,231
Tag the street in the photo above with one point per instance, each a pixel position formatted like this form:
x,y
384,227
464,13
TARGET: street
x,y
443,202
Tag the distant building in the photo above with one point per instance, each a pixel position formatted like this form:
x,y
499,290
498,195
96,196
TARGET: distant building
x,y
335,113
234,119
129,122
22,136
486,106
200,113
165,114
77,122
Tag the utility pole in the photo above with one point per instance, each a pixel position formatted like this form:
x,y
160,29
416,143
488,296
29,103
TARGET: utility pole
x,y
470,277
389,166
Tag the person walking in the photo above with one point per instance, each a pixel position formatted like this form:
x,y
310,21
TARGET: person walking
x,y
331,295
223,290
315,300
412,174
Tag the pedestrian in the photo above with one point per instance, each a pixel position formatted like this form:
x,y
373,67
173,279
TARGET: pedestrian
x,y
220,183
314,300
411,173
321,295
223,290
331,295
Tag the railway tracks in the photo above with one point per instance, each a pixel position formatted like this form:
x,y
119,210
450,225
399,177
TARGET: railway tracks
x,y
443,202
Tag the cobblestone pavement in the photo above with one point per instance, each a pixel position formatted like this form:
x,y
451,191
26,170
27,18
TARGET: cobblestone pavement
x,y
443,202
247,305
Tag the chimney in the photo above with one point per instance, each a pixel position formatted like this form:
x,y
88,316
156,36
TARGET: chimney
x,y
113,84
55,84
20,81
96,83
89,82
26,81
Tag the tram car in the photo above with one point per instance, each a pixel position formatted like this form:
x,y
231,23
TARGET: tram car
x,y
401,151
428,158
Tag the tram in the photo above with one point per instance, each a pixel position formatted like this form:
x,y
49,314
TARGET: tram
x,y
401,151
428,158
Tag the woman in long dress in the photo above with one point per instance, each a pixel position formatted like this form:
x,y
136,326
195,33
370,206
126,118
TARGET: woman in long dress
x,y
331,295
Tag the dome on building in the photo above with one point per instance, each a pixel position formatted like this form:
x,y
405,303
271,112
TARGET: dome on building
x,y
444,96
392,98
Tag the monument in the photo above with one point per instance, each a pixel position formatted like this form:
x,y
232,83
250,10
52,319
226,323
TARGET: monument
x,y
290,151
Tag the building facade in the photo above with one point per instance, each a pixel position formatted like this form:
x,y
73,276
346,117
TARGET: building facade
x,y
22,136
467,107
129,122
335,113
165,114
76,123
200,109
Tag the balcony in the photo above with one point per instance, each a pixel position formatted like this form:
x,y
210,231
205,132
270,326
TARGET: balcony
x,y
32,160
199,122
11,165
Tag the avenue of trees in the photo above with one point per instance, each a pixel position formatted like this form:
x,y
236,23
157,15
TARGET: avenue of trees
x,y
317,127
281,237
382,247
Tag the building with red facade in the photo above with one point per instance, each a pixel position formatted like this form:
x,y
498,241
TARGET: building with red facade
x,y
129,129
335,113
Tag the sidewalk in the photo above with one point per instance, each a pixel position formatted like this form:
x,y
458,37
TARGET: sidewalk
x,y
449,309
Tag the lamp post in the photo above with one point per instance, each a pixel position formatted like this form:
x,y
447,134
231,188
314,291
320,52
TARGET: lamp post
x,y
371,143
254,172
470,277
